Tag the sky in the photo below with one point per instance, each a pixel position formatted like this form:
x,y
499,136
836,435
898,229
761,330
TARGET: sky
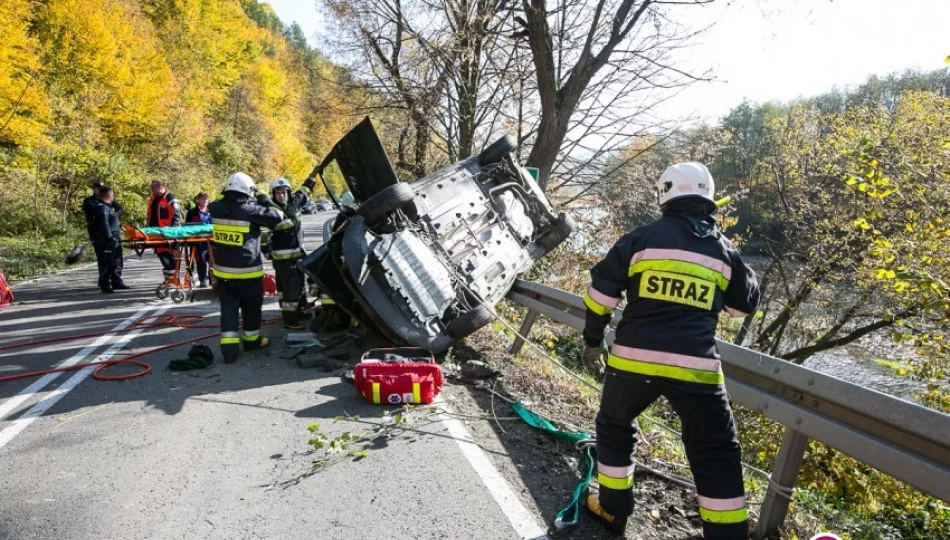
x,y
776,50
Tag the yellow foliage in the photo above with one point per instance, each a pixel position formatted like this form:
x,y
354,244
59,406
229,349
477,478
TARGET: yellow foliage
x,y
23,108
103,58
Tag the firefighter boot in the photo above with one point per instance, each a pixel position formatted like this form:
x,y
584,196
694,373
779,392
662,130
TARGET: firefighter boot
x,y
613,523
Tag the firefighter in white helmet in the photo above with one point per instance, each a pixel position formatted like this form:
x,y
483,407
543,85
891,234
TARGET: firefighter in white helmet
x,y
677,273
236,219
286,249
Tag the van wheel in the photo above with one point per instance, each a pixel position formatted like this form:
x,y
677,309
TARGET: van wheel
x,y
387,200
496,151
470,321
562,229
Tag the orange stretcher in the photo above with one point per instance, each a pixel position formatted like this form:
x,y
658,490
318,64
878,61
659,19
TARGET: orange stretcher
x,y
185,243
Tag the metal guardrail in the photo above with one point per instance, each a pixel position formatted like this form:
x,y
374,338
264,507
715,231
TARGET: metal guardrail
x,y
902,439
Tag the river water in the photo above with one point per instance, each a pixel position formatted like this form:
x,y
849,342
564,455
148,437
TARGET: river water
x,y
857,364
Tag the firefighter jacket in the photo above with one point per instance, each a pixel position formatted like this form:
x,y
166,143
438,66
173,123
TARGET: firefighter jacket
x,y
676,280
162,211
286,242
236,222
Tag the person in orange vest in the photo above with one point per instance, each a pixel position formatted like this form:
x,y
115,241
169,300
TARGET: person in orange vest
x,y
163,210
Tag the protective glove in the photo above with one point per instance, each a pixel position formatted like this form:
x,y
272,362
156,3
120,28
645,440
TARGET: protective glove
x,y
593,359
264,200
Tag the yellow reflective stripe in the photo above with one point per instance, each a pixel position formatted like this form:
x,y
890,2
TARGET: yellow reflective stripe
x,y
596,307
614,483
284,225
230,228
230,340
305,189
327,301
680,267
375,392
255,337
235,275
660,370
724,516
416,393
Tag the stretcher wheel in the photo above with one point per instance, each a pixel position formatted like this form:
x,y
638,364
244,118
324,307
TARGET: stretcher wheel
x,y
161,292
178,296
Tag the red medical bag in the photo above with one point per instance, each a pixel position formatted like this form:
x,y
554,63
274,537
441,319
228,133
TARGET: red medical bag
x,y
399,375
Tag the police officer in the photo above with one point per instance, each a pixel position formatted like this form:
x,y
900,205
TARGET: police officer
x,y
677,274
163,210
237,219
286,248
105,240
89,205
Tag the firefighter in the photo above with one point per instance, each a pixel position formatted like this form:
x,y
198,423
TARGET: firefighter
x,y
105,240
236,219
286,249
163,210
677,274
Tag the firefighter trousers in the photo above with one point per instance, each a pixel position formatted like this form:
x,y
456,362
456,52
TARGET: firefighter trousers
x,y
709,435
290,290
241,299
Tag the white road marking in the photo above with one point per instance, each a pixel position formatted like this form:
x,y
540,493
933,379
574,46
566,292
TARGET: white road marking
x,y
53,397
11,404
522,520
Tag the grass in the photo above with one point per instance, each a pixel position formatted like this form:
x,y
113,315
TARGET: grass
x,y
24,257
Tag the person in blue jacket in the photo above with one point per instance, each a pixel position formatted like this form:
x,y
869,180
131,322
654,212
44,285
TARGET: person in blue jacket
x,y
677,273
199,213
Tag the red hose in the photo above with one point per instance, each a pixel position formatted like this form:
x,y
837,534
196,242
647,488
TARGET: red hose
x,y
177,321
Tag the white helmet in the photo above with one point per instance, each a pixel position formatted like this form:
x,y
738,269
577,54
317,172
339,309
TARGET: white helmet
x,y
280,183
240,183
685,179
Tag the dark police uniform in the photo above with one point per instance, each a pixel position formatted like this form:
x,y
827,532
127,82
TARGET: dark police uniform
x,y
105,238
237,222
286,249
676,282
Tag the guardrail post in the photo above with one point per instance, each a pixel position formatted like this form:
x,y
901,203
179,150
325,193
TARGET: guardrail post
x,y
515,347
784,474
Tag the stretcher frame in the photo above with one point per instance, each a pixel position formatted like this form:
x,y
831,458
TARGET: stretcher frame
x,y
185,251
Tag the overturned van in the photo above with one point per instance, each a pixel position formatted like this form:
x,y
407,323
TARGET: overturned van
x,y
424,263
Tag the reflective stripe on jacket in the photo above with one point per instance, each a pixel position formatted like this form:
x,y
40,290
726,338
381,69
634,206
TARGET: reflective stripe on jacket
x,y
236,223
286,242
675,283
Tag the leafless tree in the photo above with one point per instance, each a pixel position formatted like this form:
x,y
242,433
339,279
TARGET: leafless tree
x,y
599,65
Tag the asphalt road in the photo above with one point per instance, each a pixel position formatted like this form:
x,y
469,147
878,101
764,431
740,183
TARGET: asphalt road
x,y
220,453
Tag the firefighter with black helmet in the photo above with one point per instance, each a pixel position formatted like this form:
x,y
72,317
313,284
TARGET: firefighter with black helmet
x,y
286,249
677,273
236,220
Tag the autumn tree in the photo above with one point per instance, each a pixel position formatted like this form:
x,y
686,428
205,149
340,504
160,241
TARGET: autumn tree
x,y
864,197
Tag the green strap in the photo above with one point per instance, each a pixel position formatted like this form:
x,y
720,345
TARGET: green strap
x,y
569,515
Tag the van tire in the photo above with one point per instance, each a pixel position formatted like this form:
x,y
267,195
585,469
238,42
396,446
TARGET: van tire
x,y
562,229
496,151
389,199
470,321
